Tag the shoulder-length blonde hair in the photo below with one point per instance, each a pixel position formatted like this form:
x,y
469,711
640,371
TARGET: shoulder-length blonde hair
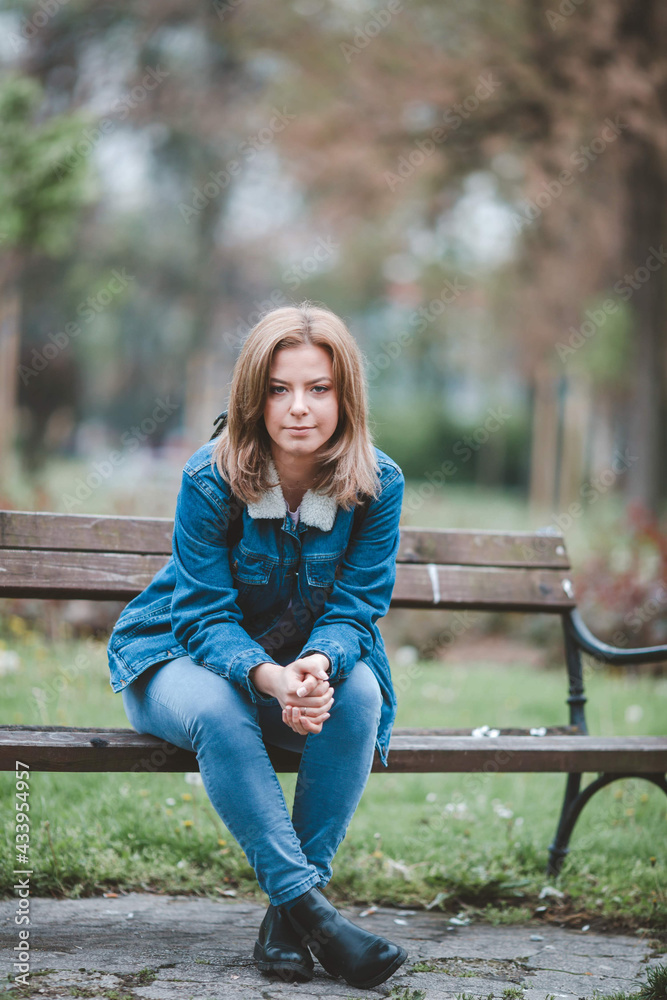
x,y
241,453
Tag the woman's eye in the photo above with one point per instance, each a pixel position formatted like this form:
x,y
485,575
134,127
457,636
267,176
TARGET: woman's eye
x,y
324,387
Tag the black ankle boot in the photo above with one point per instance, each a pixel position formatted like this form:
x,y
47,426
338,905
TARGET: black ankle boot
x,y
278,948
363,959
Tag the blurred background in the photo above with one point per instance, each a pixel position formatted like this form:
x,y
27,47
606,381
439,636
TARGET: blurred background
x,y
479,190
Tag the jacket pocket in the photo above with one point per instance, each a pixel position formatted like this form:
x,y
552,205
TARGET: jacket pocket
x,y
323,572
250,568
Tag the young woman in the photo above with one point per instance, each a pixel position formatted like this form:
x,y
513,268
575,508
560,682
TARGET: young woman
x,y
273,637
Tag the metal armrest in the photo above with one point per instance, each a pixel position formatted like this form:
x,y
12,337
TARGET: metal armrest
x,y
589,643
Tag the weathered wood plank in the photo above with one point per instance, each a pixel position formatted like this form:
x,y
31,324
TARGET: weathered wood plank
x,y
92,575
145,535
92,533
466,547
116,575
125,750
482,588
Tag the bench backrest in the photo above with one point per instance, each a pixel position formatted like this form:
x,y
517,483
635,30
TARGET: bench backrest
x,y
114,558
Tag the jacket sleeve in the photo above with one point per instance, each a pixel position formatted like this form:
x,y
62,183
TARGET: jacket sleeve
x,y
344,631
205,618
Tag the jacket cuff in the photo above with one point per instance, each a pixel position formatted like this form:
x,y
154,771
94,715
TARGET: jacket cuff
x,y
241,667
336,655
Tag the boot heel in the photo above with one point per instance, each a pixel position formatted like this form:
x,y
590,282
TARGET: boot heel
x,y
278,951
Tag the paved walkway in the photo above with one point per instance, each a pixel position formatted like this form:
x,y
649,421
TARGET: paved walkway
x,y
168,947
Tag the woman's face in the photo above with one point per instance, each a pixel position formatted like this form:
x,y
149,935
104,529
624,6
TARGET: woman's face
x,y
301,395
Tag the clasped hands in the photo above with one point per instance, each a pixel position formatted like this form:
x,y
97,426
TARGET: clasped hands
x,y
302,689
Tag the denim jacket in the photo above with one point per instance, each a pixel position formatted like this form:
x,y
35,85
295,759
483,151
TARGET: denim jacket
x,y
212,603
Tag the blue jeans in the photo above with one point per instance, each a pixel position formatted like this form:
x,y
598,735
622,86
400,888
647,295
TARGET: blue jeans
x,y
197,709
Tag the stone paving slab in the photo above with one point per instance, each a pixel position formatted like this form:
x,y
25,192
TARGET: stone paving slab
x,y
150,947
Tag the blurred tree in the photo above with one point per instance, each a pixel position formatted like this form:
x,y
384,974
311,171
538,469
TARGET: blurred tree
x,y
172,101
393,113
564,104
39,207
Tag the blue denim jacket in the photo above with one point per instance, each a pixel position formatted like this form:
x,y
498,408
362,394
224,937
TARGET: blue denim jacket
x,y
212,602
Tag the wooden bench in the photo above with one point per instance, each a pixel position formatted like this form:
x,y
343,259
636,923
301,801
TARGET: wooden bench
x,y
113,558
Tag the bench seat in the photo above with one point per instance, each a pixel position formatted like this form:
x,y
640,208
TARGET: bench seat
x,y
112,558
411,751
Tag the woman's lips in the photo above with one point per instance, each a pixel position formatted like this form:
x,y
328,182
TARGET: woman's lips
x,y
299,430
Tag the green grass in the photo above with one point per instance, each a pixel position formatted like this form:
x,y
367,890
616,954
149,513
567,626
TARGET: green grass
x,y
465,843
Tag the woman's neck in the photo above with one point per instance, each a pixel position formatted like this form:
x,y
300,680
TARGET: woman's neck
x,y
296,475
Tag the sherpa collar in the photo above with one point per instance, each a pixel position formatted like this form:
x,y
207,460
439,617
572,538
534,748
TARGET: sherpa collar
x,y
316,509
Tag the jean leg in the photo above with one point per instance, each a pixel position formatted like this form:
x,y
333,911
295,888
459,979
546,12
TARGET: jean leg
x,y
199,710
335,765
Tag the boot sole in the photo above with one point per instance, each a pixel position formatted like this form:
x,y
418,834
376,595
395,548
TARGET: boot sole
x,y
288,971
370,983
367,984
310,939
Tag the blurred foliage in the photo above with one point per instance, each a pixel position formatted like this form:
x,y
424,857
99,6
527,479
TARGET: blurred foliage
x,y
431,445
41,186
622,590
415,173
609,352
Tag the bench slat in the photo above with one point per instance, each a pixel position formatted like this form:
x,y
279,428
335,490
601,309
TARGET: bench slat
x,y
483,588
116,575
92,575
85,532
126,750
465,547
145,535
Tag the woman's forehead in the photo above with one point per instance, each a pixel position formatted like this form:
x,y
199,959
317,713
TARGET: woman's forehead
x,y
299,361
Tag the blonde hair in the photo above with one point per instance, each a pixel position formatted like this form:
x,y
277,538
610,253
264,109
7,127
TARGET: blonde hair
x,y
348,465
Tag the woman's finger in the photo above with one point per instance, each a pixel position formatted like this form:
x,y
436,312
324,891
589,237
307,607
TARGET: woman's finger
x,y
318,690
317,713
303,724
312,701
308,667
314,712
289,720
307,686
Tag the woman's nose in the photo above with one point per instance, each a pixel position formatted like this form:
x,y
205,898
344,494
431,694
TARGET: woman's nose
x,y
299,404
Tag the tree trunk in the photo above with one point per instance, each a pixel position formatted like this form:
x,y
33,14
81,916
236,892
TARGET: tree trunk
x,y
646,224
10,313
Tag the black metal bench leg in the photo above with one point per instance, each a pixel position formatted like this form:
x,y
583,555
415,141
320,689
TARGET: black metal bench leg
x,y
576,702
559,848
575,802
